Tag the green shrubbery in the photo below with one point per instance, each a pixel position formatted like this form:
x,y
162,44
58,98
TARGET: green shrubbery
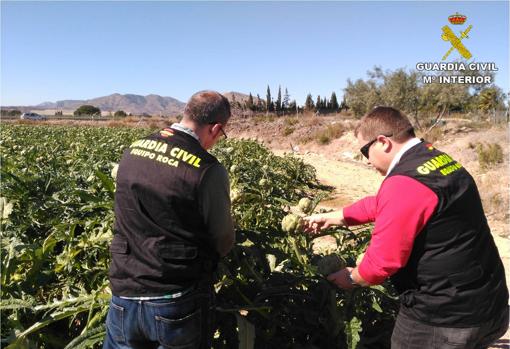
x,y
87,110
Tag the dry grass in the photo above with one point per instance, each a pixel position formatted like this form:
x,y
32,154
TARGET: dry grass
x,y
263,118
117,123
489,155
26,122
157,124
133,121
476,125
325,136
290,121
310,121
484,153
287,130
306,139
493,188
434,135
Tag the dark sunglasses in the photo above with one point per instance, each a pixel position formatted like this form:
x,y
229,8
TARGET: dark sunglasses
x,y
221,128
222,131
364,149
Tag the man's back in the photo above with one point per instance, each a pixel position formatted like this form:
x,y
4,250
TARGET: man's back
x,y
161,242
454,263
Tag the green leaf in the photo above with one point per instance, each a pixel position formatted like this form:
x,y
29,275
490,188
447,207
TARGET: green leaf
x,y
352,330
106,180
43,323
376,306
88,339
13,303
49,243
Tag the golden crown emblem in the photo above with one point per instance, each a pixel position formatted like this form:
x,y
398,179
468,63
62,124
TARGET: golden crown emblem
x,y
457,18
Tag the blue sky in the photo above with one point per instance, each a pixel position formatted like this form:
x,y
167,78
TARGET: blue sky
x,y
78,50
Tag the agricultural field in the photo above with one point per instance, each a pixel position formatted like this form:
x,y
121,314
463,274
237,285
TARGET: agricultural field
x,y
57,193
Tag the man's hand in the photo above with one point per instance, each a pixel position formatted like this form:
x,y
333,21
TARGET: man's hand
x,y
318,222
341,278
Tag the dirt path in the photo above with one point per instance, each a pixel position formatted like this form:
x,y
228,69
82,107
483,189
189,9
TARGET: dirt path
x,y
351,180
354,180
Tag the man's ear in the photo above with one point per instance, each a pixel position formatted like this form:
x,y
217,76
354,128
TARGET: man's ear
x,y
387,144
215,129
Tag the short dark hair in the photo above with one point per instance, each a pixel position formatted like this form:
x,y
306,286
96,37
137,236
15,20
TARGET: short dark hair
x,y
385,121
206,107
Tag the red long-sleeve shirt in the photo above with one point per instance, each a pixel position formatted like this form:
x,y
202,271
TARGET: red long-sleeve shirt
x,y
400,210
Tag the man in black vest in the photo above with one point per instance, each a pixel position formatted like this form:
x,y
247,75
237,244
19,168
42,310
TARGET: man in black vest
x,y
431,238
172,224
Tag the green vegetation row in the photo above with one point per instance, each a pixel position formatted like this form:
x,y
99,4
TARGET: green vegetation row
x,y
56,206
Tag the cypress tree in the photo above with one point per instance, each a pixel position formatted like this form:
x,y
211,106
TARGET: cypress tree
x,y
309,106
334,102
286,99
268,99
279,99
249,103
343,105
271,106
259,103
292,106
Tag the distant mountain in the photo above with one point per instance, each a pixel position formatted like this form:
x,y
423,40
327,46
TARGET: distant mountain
x,y
130,103
45,105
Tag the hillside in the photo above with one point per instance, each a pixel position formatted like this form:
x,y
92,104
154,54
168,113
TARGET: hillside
x,y
240,97
130,103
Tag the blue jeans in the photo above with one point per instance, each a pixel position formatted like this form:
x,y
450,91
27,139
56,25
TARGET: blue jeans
x,y
412,334
184,322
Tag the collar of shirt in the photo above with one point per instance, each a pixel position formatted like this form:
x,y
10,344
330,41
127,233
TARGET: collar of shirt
x,y
184,129
407,145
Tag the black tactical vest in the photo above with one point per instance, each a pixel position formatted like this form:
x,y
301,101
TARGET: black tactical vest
x,y
454,276
160,243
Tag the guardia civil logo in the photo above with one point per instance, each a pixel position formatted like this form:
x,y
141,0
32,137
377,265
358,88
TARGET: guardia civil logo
x,y
454,40
457,65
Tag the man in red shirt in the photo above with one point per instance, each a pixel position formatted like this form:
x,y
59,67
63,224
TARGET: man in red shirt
x,y
430,237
